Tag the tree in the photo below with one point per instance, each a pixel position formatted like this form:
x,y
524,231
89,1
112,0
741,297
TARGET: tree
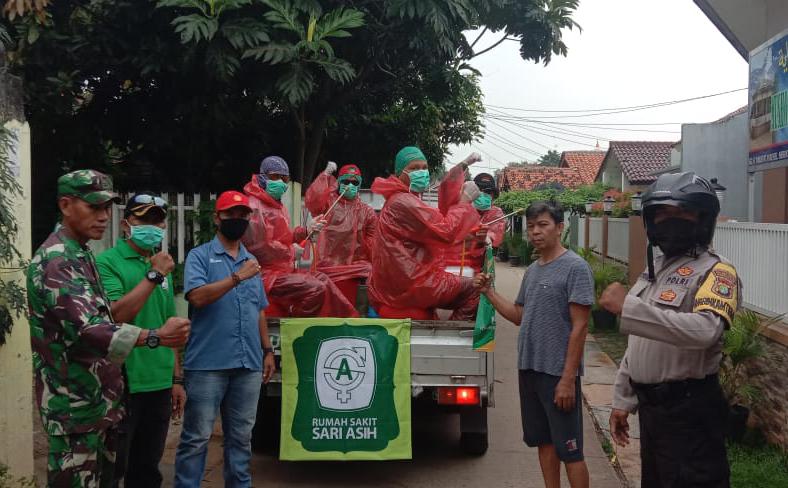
x,y
190,95
551,158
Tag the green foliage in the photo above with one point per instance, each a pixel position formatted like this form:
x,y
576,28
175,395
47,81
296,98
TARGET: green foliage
x,y
758,465
526,252
229,82
605,275
571,200
743,345
204,219
12,296
551,158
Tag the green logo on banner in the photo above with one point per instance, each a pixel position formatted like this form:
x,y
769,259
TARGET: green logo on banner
x,y
345,388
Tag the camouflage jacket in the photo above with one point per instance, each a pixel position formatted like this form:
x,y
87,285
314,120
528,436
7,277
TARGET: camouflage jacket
x,y
77,349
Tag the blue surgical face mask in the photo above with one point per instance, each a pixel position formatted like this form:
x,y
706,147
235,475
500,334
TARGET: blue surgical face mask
x,y
146,237
419,180
350,190
275,188
483,202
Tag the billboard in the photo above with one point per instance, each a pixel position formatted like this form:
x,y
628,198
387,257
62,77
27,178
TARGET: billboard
x,y
768,104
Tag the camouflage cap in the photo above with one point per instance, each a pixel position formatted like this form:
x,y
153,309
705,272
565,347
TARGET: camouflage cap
x,y
89,185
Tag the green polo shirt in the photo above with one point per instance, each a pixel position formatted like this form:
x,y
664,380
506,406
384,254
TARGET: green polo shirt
x,y
121,269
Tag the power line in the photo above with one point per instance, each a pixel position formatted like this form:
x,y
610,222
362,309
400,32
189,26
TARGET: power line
x,y
501,126
510,143
518,156
558,130
532,129
602,111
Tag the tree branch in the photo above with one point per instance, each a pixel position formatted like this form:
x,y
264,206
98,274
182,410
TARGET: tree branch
x,y
505,37
480,36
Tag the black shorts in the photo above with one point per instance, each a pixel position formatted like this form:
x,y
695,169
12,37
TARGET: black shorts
x,y
543,422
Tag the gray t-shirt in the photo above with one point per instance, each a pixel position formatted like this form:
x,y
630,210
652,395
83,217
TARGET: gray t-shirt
x,y
545,294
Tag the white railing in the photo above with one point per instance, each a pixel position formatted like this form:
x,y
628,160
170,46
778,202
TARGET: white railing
x,y
760,254
618,237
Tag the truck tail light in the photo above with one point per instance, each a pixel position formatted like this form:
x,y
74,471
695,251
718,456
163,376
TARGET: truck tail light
x,y
458,395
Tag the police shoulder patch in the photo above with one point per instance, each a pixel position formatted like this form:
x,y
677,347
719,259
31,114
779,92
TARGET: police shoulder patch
x,y
719,292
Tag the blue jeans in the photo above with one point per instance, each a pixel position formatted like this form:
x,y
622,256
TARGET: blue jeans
x,y
235,392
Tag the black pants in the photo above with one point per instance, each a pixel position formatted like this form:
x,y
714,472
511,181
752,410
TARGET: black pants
x,y
142,436
682,439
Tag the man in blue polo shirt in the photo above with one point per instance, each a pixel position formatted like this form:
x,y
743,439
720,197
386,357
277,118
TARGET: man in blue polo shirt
x,y
229,352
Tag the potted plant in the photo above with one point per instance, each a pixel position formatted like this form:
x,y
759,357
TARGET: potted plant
x,y
503,251
743,344
514,251
528,253
604,276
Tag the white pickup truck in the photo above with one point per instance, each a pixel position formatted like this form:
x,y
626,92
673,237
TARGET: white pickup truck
x,y
444,369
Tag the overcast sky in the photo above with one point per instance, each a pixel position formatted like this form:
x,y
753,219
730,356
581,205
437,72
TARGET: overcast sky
x,y
629,53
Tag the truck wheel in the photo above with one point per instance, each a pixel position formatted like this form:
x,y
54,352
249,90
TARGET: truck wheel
x,y
473,430
265,433
474,443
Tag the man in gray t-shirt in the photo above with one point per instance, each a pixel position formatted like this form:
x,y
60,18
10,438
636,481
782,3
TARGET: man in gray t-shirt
x,y
552,308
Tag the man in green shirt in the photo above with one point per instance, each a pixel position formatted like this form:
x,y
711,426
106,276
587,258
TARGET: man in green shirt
x,y
137,282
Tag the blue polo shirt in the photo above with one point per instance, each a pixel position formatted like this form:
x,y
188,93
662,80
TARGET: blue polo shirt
x,y
224,334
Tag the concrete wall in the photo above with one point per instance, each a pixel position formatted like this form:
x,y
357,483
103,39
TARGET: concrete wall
x,y
611,172
719,150
16,366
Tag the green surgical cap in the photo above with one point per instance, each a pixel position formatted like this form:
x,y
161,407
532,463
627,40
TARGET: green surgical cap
x,y
405,156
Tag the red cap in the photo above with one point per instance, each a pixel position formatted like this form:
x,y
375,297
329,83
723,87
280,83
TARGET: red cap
x,y
230,199
349,169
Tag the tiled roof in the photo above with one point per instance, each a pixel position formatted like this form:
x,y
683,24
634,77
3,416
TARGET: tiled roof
x,y
731,115
529,177
587,163
640,159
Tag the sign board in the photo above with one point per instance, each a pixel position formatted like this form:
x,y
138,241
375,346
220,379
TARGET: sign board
x,y
345,389
768,105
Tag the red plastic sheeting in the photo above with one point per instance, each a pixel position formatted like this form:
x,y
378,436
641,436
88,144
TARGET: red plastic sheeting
x,y
407,255
270,240
344,246
474,248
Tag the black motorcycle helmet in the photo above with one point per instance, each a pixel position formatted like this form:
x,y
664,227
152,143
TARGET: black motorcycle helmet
x,y
486,184
687,191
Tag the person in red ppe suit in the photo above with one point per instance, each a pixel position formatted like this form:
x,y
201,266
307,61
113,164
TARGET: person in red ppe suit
x,y
407,277
343,246
465,258
269,238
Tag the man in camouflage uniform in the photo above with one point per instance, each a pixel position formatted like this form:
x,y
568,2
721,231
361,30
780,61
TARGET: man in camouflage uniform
x,y
78,349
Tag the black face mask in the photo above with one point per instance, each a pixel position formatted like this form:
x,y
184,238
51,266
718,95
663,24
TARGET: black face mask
x,y
233,229
675,236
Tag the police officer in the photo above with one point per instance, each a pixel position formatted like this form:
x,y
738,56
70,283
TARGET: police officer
x,y
78,349
675,315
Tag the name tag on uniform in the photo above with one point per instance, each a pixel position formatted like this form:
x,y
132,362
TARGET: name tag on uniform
x,y
214,261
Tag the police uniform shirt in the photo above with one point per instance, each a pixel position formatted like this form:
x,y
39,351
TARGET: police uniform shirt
x,y
675,323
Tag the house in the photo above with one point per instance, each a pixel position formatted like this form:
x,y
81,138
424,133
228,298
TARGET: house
x,y
631,165
530,177
719,150
587,163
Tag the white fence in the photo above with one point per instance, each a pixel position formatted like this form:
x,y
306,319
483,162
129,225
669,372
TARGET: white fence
x,y
618,237
759,252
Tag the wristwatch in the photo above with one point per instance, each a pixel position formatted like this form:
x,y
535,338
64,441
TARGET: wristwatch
x,y
155,276
268,350
153,340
